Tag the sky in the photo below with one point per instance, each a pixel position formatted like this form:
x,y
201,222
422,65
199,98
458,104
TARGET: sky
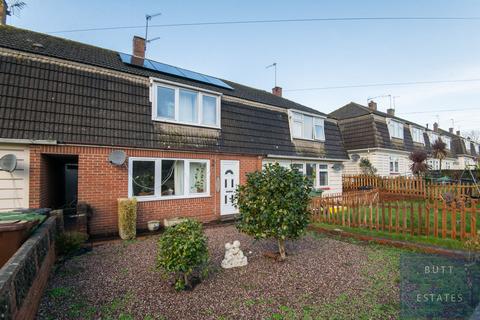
x,y
308,54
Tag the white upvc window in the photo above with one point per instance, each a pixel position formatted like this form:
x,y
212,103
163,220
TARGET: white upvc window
x,y
394,165
417,135
185,105
447,141
168,178
318,172
395,128
433,137
306,126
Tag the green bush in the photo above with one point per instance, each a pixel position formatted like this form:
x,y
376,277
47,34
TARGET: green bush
x,y
68,243
127,218
274,204
182,252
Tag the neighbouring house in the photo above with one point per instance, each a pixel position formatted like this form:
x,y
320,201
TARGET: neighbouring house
x,y
467,151
387,140
189,139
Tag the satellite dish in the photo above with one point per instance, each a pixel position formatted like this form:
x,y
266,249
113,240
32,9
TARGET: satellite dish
x,y
337,167
117,157
8,163
355,157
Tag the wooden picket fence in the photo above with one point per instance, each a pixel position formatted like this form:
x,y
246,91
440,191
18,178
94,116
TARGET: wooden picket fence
x,y
433,218
410,187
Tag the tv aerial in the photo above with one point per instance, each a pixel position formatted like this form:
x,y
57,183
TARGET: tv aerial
x,y
149,17
8,163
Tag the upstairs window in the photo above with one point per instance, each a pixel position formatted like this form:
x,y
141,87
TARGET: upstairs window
x,y
307,127
447,141
417,135
185,105
395,128
433,137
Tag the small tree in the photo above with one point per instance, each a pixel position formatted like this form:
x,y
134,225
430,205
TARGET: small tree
x,y
419,166
367,167
182,251
274,204
439,151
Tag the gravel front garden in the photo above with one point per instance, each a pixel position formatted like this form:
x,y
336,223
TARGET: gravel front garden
x,y
322,278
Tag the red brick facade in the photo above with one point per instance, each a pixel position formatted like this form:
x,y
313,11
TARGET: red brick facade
x,y
100,184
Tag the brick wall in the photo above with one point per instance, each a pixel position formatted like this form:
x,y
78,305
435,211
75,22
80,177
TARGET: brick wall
x,y
100,184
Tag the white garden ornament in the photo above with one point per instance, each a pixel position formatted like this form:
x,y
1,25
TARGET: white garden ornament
x,y
233,256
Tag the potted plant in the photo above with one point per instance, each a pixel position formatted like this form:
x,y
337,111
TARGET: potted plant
x,y
153,225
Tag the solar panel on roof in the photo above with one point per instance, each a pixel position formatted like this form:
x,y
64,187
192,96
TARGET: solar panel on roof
x,y
165,68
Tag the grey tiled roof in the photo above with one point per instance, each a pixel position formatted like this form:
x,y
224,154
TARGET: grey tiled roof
x,y
42,100
361,130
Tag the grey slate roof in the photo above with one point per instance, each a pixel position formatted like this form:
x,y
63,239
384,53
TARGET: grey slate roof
x,y
41,100
26,40
361,130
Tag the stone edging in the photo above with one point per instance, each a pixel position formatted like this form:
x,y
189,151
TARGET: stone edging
x,y
24,276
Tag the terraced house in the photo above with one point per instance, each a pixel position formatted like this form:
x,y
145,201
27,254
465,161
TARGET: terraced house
x,y
387,141
189,139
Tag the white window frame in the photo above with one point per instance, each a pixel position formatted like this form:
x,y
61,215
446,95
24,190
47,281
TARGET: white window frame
x,y
417,132
317,121
395,164
316,183
158,172
155,83
432,135
393,126
447,141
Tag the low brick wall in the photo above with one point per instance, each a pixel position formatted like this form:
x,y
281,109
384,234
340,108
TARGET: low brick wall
x,y
24,277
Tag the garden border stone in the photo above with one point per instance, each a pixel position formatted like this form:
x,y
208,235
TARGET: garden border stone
x,y
24,277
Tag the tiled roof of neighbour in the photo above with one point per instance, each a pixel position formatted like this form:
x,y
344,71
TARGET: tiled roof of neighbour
x,y
360,130
47,101
43,44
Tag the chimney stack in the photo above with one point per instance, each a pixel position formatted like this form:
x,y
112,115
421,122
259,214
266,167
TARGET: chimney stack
x,y
277,91
391,112
458,132
435,126
138,47
372,105
450,130
3,12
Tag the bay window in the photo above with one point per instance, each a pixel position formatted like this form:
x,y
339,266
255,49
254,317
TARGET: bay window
x,y
307,127
395,128
157,179
185,106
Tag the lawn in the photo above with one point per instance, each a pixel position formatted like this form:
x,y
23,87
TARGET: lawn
x,y
323,278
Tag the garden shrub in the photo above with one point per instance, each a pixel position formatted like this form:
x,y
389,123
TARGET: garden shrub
x,y
183,252
67,243
274,203
127,218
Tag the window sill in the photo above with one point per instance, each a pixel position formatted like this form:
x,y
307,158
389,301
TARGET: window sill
x,y
166,198
312,140
186,123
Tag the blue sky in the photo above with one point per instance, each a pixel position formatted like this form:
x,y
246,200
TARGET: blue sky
x,y
309,54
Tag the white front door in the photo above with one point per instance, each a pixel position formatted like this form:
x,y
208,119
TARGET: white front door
x,y
229,170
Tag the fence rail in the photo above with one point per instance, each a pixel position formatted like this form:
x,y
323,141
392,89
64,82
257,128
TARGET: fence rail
x,y
433,218
409,186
